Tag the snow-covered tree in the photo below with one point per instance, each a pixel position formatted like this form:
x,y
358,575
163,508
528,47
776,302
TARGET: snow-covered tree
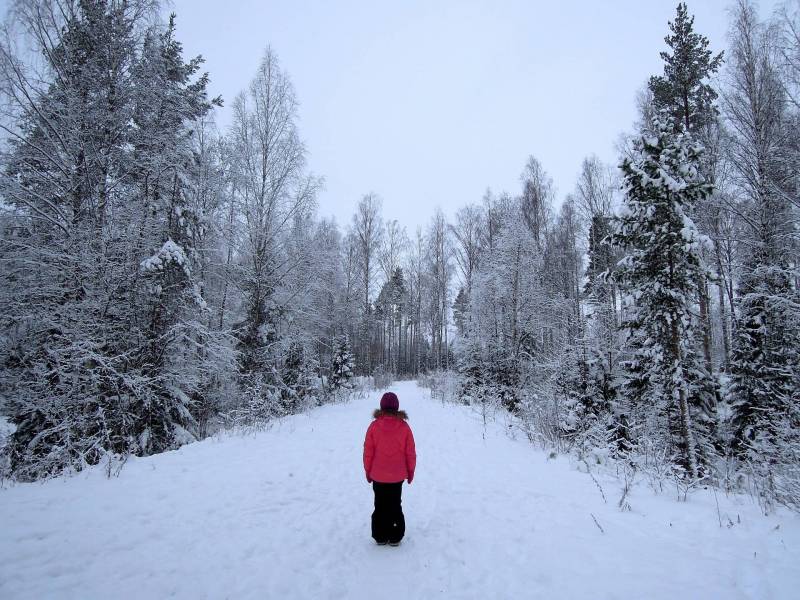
x,y
467,242
97,167
685,92
367,235
272,189
343,365
659,275
439,277
167,103
766,349
509,320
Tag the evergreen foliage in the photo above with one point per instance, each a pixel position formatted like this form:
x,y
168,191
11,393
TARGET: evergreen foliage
x,y
342,369
685,90
659,275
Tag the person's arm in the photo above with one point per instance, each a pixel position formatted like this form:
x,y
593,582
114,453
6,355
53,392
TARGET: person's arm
x,y
411,455
369,452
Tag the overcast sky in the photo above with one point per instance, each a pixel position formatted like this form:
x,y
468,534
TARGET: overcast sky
x,y
429,103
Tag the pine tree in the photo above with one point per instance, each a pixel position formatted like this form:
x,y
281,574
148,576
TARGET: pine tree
x,y
684,90
660,273
390,311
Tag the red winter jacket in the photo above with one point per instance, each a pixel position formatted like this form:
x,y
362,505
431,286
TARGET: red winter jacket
x,y
389,453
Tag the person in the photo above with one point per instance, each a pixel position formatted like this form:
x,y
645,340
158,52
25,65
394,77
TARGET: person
x,y
389,458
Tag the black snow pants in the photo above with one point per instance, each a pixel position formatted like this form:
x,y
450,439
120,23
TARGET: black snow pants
x,y
388,522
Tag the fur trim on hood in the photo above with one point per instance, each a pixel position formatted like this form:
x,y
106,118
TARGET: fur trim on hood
x,y
399,414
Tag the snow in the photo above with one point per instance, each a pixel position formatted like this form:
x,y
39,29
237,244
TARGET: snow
x,y
170,252
285,514
6,428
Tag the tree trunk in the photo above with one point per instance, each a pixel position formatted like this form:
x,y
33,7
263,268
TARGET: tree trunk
x,y
683,405
705,322
723,312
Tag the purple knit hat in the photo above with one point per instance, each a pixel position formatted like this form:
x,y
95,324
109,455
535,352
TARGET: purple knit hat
x,y
389,401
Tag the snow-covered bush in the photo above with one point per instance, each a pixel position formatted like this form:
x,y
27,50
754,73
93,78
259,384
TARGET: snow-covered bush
x,y
444,385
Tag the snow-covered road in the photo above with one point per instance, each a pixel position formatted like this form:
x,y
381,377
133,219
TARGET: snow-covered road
x,y
285,514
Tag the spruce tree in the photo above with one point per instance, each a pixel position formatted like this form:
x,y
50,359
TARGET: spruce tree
x,y
460,308
168,102
685,92
342,369
765,354
659,273
62,370
297,378
601,260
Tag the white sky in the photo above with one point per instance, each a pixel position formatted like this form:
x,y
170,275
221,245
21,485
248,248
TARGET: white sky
x,y
429,102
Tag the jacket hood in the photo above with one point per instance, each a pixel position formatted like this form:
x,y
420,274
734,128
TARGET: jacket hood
x,y
398,414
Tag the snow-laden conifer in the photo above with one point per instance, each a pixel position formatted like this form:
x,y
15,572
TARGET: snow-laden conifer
x,y
659,275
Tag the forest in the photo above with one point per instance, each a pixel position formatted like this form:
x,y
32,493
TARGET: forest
x,y
162,278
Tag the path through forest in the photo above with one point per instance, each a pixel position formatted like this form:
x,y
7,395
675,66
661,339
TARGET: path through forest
x,y
285,514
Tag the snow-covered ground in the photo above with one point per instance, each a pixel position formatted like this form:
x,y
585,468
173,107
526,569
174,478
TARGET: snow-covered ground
x,y
285,514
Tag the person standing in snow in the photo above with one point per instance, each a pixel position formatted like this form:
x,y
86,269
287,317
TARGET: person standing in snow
x,y
389,458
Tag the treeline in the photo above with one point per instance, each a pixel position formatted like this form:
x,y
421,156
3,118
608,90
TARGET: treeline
x,y
161,278
158,277
655,317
